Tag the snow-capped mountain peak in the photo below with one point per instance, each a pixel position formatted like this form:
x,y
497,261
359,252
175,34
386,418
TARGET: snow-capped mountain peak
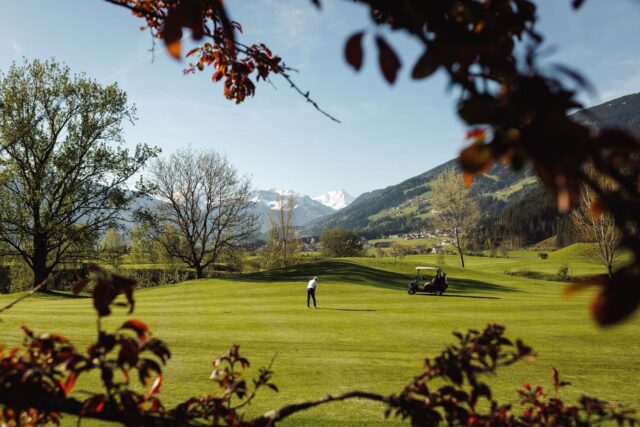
x,y
285,192
305,209
335,199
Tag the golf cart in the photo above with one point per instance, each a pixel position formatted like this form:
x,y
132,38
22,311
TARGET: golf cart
x,y
435,281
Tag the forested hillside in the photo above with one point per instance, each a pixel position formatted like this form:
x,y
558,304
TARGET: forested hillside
x,y
513,204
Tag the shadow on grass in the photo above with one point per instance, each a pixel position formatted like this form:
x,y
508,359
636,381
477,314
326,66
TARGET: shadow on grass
x,y
455,296
349,272
332,271
470,285
55,294
346,309
64,294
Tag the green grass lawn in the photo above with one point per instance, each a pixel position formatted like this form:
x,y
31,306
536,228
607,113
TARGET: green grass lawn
x,y
367,334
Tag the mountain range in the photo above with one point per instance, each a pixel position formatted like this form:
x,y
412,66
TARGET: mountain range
x,y
335,199
306,208
405,206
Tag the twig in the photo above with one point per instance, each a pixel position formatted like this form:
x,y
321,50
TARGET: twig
x,y
270,418
208,33
25,296
255,390
306,96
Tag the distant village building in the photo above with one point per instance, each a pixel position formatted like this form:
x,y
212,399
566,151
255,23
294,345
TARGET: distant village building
x,y
310,247
365,243
382,244
438,248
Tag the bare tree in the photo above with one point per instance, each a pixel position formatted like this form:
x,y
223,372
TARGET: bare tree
x,y
597,227
206,209
455,212
64,167
281,219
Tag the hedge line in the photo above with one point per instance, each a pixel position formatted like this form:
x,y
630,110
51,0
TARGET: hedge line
x,y
16,277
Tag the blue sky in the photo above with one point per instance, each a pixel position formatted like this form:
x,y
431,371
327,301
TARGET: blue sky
x,y
388,133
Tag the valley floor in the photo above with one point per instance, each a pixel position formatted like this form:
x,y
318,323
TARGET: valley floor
x,y
367,334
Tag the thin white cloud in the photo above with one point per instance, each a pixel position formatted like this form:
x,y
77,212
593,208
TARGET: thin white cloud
x,y
122,74
17,47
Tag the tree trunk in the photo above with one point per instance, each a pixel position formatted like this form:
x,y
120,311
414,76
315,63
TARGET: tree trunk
x,y
199,271
40,269
458,246
610,269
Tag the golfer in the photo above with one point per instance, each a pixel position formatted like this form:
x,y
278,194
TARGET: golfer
x,y
311,291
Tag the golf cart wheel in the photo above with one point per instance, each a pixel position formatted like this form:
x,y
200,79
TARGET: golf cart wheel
x,y
411,291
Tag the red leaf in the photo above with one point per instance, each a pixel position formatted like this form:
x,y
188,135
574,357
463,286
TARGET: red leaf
x,y
93,405
595,208
353,50
139,327
389,62
467,179
172,32
475,158
217,76
67,385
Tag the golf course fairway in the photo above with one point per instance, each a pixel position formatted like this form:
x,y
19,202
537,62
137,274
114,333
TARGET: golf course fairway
x,y
367,333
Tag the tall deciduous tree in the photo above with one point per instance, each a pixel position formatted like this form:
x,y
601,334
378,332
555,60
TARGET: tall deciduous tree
x,y
596,226
455,212
206,209
64,166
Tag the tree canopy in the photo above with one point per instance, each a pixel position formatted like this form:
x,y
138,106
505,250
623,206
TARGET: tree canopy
x,y
64,165
205,210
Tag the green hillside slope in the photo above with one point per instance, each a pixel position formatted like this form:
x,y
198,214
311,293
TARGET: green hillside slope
x,y
405,207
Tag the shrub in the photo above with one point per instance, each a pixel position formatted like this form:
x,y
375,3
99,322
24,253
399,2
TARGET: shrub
x,y
151,277
543,255
564,273
337,243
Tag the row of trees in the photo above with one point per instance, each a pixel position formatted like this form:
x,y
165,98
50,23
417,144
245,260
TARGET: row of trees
x,y
65,170
457,215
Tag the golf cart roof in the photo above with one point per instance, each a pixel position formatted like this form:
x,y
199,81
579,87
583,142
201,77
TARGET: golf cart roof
x,y
426,268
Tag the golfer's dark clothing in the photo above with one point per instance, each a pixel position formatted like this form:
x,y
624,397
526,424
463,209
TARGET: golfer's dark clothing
x,y
311,292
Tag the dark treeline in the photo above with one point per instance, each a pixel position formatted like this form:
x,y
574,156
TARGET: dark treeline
x,y
524,222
